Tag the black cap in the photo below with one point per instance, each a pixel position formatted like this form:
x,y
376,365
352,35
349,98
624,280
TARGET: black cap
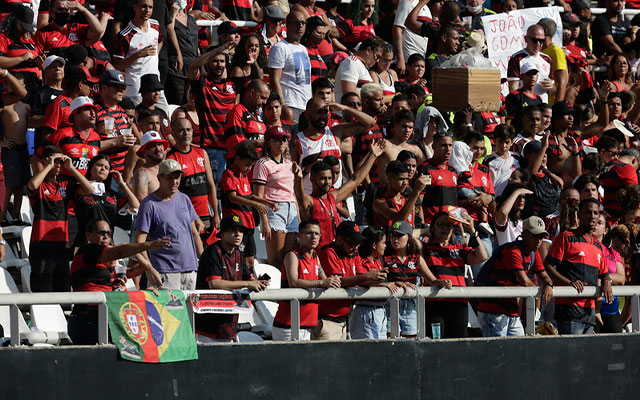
x,y
561,108
112,78
227,27
74,75
401,227
230,222
150,83
25,16
76,54
350,230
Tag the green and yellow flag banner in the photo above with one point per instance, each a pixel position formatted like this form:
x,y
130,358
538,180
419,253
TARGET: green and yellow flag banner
x,y
149,328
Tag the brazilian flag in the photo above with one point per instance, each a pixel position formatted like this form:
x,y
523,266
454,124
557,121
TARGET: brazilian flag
x,y
149,328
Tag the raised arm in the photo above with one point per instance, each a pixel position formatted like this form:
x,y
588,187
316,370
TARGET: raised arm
x,y
305,202
349,186
18,91
502,213
131,249
364,122
412,22
96,30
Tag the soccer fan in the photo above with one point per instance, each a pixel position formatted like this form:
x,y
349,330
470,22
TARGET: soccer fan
x,y
222,267
152,150
391,205
502,162
576,259
514,264
244,121
52,77
353,72
617,175
535,39
516,101
442,191
301,269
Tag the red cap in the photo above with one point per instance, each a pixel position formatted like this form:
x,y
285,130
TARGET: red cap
x,y
276,132
89,77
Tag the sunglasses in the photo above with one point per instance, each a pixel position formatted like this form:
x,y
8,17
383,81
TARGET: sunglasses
x,y
104,233
536,40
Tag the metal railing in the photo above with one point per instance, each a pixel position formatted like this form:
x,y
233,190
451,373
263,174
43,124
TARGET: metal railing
x,y
295,296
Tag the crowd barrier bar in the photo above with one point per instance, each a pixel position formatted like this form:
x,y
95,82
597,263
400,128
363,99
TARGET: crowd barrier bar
x,y
295,296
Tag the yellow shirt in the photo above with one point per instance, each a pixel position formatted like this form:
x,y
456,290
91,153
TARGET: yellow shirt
x,y
558,62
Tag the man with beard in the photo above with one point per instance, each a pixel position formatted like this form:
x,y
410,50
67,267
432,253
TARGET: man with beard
x,y
290,66
576,259
373,105
353,72
244,121
321,204
442,191
315,140
610,30
215,96
145,177
168,213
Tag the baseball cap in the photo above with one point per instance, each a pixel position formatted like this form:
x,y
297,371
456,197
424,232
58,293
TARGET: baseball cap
x,y
401,227
275,132
274,12
622,127
228,27
570,20
150,83
561,108
76,54
113,78
528,67
534,225
169,166
81,102
148,138
350,230
25,16
230,222
51,59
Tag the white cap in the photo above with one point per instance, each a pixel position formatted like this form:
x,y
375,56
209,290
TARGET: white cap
x,y
622,127
150,137
51,59
80,102
528,66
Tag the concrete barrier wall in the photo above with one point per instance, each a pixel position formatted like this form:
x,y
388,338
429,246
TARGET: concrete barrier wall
x,y
594,367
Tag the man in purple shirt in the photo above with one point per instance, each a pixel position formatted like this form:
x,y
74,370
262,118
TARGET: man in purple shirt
x,y
169,213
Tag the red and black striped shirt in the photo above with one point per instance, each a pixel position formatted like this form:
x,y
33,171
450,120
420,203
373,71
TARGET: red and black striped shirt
x,y
402,271
87,273
11,48
194,178
216,99
116,155
363,142
241,125
616,175
442,192
238,10
447,262
318,67
49,234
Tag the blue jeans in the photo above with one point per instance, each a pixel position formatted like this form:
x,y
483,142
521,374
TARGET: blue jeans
x,y
368,322
574,328
218,162
408,316
500,325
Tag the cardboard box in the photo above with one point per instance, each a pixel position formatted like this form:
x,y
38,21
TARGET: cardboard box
x,y
454,88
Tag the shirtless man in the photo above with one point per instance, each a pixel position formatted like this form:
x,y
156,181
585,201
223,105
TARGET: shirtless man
x,y
402,131
15,156
145,177
563,144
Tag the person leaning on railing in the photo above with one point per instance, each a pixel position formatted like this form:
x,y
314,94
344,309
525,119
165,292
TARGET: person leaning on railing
x,y
92,270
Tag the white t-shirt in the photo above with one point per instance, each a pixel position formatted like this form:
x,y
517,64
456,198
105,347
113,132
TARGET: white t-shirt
x,y
411,43
351,69
129,41
509,232
501,170
293,60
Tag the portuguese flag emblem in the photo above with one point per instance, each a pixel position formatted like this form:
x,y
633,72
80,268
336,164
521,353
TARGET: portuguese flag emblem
x,y
151,329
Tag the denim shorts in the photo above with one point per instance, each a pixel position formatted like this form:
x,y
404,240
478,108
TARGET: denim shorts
x,y
285,219
500,325
367,322
408,316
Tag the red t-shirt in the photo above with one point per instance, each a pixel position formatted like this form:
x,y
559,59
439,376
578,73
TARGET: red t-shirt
x,y
334,263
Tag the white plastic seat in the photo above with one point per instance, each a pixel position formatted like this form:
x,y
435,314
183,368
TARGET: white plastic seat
x,y
120,236
171,109
49,318
26,213
8,286
351,206
261,248
248,337
265,311
25,241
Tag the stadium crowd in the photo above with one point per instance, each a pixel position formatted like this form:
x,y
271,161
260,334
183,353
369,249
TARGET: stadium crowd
x,y
316,128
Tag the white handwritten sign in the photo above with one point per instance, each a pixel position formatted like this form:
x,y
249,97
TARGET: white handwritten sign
x,y
505,32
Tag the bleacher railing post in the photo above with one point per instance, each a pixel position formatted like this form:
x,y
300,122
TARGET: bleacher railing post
x,y
395,317
295,319
635,313
14,314
530,313
103,324
420,304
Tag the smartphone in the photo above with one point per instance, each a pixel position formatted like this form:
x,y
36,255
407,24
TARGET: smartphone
x,y
264,277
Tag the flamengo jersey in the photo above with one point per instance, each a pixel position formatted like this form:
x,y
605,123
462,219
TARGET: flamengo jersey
x,y
326,213
308,269
441,193
116,155
542,61
447,263
400,271
218,99
57,41
78,149
87,274
313,150
194,178
50,226
616,175
577,258
129,41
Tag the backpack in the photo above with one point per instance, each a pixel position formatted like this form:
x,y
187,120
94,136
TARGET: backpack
x,y
486,276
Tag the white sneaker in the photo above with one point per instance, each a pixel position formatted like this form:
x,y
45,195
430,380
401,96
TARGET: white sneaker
x,y
485,228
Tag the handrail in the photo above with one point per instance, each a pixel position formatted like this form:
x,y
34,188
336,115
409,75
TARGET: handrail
x,y
295,296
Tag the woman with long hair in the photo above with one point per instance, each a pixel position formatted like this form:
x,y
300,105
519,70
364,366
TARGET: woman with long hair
x,y
103,202
447,261
363,18
416,67
383,75
273,180
368,320
609,318
510,212
250,59
620,73
407,269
